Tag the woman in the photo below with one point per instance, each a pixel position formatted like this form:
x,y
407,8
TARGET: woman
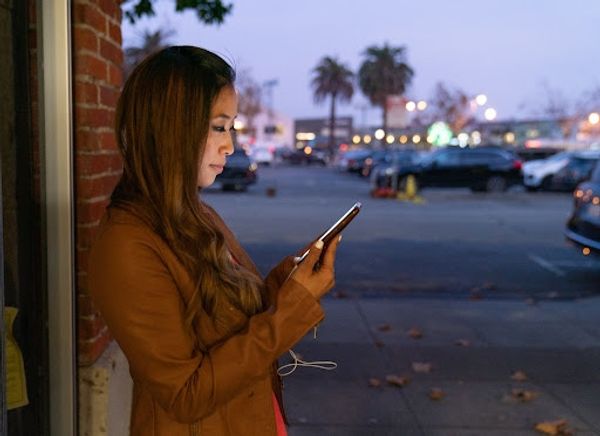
x,y
201,330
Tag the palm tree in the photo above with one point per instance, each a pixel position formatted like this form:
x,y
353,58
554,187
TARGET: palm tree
x,y
384,72
332,78
151,43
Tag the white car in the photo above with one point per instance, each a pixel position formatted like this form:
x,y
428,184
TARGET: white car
x,y
561,171
261,155
538,173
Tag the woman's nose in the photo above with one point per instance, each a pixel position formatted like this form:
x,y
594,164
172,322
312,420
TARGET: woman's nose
x,y
228,146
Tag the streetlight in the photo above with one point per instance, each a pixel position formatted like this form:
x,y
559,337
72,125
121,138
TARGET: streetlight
x,y
594,118
411,106
379,134
490,114
481,99
422,105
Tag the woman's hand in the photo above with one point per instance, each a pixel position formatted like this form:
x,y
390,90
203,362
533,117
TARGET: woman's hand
x,y
318,278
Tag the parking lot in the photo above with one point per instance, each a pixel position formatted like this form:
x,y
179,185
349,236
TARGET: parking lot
x,y
457,244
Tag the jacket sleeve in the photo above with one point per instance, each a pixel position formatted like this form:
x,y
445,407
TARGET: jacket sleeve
x,y
143,308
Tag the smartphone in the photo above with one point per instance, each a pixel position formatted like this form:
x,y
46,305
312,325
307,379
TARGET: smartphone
x,y
334,230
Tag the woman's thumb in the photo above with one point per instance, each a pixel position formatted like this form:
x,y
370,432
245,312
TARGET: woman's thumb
x,y
314,253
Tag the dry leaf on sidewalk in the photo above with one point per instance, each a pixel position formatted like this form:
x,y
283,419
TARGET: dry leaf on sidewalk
x,y
396,380
415,333
421,367
558,427
374,382
519,376
463,343
523,395
436,394
339,294
384,327
379,344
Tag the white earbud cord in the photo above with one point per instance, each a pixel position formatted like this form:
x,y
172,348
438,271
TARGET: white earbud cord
x,y
288,369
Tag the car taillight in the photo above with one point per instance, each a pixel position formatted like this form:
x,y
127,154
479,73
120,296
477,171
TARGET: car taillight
x,y
517,165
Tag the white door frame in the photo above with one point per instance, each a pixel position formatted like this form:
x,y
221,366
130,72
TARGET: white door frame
x,y
57,180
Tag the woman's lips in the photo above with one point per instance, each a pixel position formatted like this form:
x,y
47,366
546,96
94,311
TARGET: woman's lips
x,y
217,168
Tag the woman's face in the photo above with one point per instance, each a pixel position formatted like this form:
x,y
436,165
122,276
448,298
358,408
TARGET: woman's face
x,y
220,141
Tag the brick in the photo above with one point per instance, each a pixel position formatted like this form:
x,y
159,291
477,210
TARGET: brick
x,y
90,326
88,212
109,96
86,92
96,187
93,117
89,164
89,351
88,65
108,141
85,38
83,256
115,34
85,235
90,15
111,8
115,75
111,52
85,305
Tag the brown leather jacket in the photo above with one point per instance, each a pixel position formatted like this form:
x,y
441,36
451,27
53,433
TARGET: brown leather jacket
x,y
213,384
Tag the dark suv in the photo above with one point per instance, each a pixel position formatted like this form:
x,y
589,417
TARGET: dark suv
x,y
583,228
239,172
490,169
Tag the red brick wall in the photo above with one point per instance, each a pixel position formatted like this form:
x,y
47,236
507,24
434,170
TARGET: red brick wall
x,y
97,79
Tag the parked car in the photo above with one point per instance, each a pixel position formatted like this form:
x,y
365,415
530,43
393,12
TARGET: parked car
x,y
301,157
353,160
561,172
583,227
239,172
262,155
481,169
382,159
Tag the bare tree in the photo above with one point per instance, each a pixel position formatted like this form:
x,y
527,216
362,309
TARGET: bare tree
x,y
250,98
452,106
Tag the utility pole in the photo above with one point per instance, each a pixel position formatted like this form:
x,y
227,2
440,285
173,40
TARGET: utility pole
x,y
268,86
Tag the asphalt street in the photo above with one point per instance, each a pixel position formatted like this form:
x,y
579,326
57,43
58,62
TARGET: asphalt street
x,y
456,244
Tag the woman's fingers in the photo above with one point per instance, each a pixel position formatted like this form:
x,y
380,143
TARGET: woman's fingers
x,y
329,256
313,256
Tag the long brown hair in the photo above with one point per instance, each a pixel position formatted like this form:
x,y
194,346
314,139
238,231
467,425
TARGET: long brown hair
x,y
162,123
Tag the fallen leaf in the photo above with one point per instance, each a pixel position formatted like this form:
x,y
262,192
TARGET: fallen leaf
x,y
519,376
436,394
384,327
379,344
523,395
558,427
463,343
374,382
339,294
415,333
421,367
396,380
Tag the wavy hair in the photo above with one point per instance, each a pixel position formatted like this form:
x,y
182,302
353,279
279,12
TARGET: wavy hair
x,y
162,121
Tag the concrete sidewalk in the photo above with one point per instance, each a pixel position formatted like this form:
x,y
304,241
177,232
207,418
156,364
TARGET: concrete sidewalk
x,y
474,347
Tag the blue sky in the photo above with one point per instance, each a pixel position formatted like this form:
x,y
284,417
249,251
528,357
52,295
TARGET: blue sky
x,y
504,48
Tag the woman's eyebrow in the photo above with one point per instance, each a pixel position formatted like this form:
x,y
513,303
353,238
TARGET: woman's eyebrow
x,y
228,117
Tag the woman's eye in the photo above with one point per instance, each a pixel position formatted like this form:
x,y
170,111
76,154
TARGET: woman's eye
x,y
219,128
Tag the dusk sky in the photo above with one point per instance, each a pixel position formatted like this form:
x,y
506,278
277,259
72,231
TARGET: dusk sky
x,y
506,49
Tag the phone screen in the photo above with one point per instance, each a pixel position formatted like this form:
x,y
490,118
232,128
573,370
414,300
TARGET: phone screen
x,y
335,229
